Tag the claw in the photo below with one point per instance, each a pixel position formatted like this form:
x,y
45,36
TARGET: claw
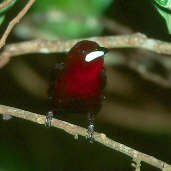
x,y
90,130
90,133
48,119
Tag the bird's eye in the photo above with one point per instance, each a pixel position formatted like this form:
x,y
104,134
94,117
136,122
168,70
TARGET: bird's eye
x,y
83,51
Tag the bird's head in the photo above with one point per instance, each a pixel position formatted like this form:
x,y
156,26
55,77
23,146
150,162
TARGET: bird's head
x,y
85,53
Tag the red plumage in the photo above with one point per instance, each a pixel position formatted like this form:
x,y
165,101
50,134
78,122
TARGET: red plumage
x,y
78,85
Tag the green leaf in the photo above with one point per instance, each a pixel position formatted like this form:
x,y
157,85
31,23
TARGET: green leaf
x,y
2,17
71,28
67,19
4,9
164,3
74,7
166,15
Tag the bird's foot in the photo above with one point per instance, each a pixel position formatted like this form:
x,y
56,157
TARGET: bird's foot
x,y
90,133
90,130
48,119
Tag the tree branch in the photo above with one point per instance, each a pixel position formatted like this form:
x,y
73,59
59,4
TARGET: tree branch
x,y
137,61
5,3
136,40
14,21
77,130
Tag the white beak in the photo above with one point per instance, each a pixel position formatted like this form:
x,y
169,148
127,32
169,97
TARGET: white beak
x,y
93,55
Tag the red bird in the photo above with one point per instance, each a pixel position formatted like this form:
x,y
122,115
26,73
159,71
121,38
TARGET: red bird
x,y
79,82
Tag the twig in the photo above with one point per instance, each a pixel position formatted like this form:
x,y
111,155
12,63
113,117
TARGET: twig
x,y
15,21
136,40
136,164
77,130
3,4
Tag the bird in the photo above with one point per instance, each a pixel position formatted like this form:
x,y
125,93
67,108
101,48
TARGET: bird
x,y
78,83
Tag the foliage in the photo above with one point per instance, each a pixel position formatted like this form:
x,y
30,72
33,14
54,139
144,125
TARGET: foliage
x,y
4,9
164,8
164,3
66,19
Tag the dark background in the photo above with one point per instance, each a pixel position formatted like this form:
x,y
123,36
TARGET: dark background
x,y
136,112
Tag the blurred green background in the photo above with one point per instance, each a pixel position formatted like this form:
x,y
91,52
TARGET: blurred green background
x,y
136,112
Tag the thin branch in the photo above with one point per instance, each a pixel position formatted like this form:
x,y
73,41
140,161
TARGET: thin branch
x,y
5,3
136,40
77,130
136,164
15,21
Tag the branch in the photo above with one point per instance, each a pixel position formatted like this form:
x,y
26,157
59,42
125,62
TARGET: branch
x,y
136,40
6,3
133,61
15,21
77,130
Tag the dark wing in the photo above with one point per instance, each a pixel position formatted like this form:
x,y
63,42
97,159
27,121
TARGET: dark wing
x,y
57,71
104,78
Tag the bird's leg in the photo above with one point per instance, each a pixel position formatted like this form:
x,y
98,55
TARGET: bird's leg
x,y
90,130
49,117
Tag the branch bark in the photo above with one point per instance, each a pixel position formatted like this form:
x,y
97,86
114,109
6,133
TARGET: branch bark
x,y
14,21
5,3
135,61
136,40
77,130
